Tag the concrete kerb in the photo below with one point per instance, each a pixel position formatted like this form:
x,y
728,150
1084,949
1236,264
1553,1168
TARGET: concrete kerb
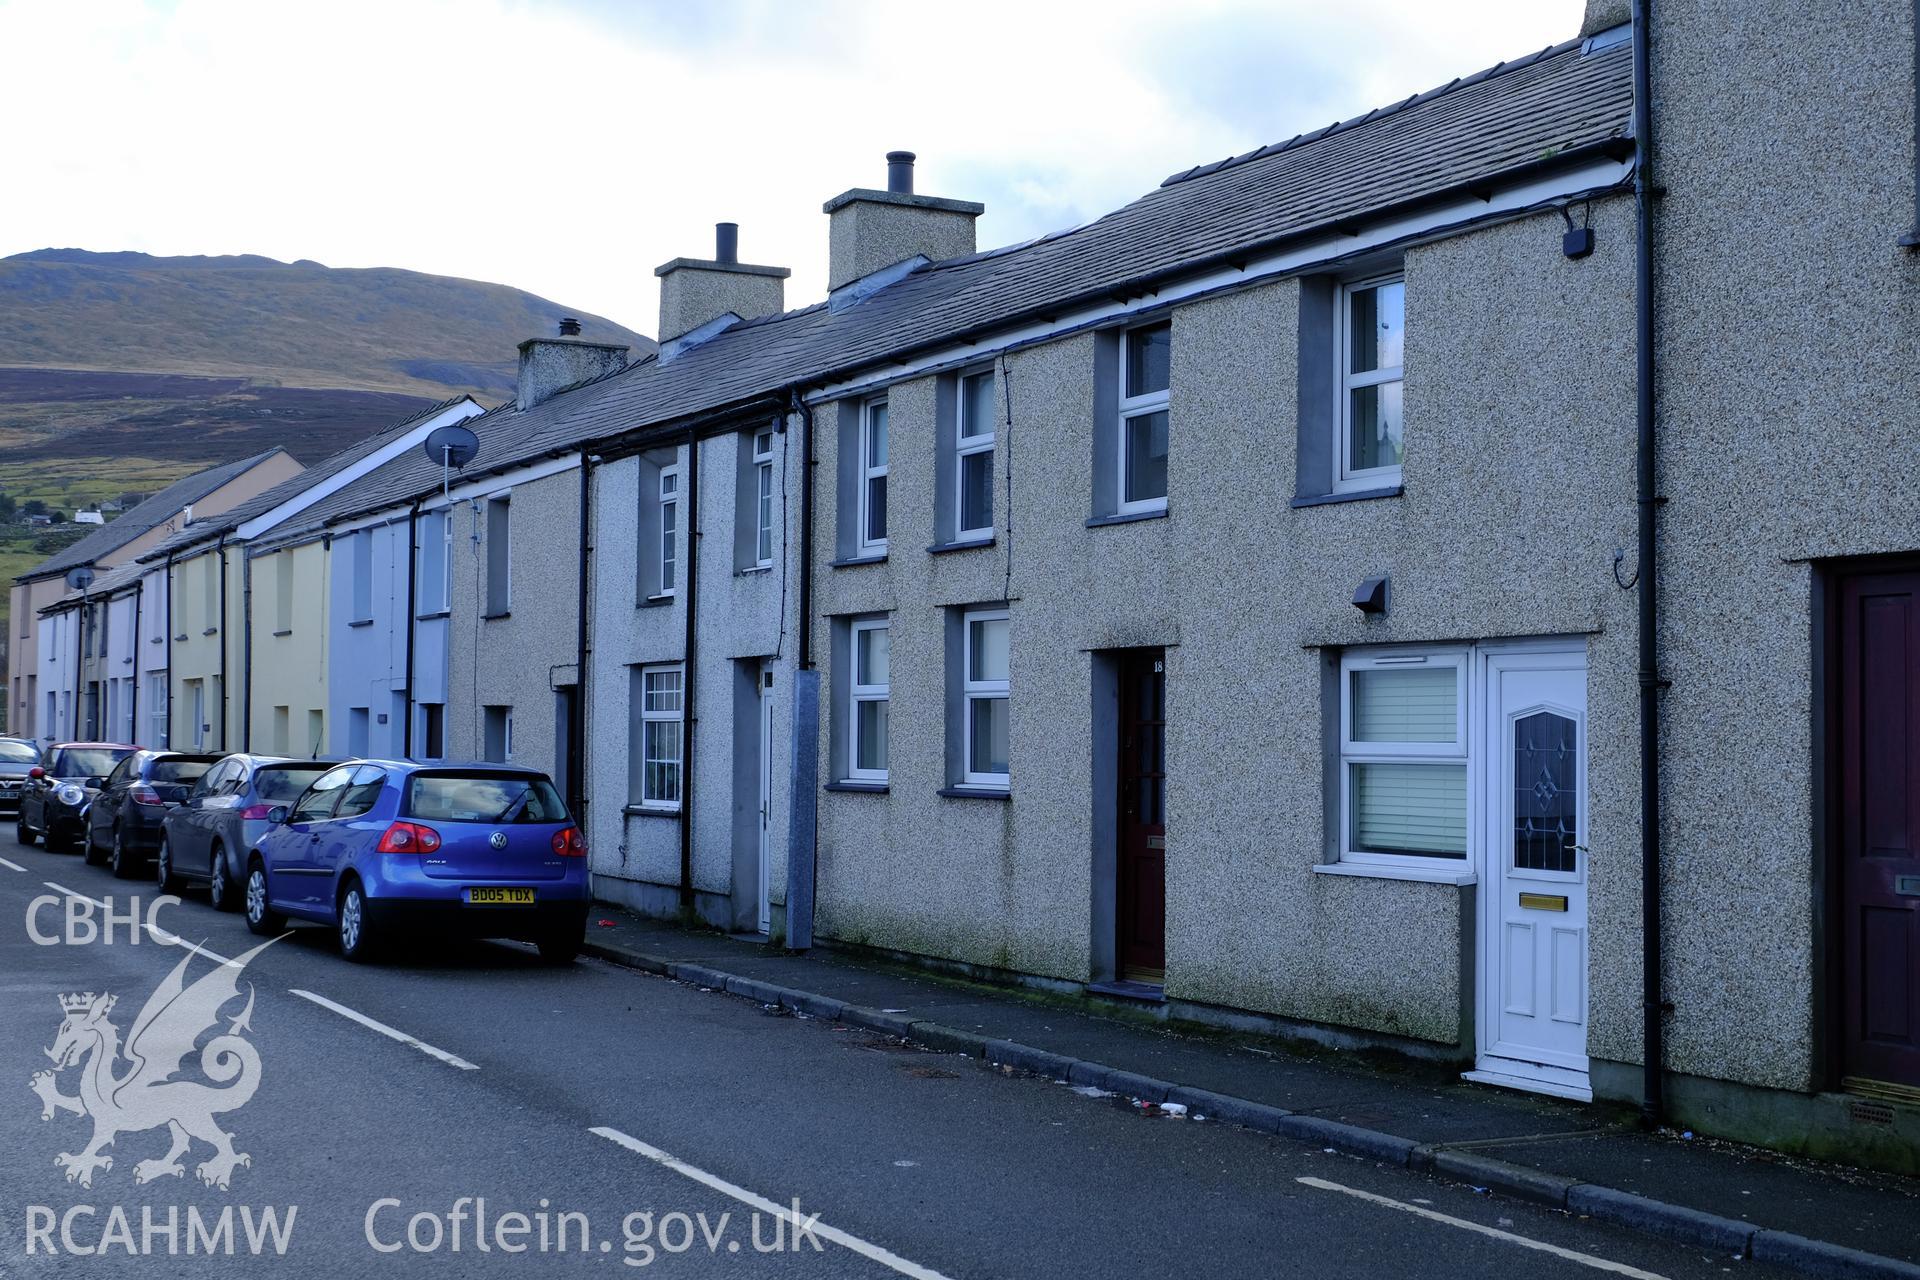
x,y
1604,1204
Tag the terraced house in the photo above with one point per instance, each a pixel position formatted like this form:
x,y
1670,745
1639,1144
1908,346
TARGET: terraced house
x,y
247,668
1437,582
44,710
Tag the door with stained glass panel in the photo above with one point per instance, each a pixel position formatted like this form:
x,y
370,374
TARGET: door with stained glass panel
x,y
1533,999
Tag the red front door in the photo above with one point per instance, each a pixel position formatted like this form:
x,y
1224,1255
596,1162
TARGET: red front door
x,y
1878,819
1142,890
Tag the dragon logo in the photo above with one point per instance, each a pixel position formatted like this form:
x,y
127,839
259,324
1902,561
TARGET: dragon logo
x,y
144,1095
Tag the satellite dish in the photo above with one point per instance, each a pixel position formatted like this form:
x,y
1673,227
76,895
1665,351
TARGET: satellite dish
x,y
80,577
452,446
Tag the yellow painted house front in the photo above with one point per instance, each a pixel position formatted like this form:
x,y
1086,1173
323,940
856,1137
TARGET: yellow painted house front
x,y
287,630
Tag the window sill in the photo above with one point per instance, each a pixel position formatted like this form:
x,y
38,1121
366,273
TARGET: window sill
x,y
360,622
1130,517
750,570
868,788
287,632
649,811
210,631
879,557
964,544
1382,871
976,793
653,602
495,617
429,617
1356,495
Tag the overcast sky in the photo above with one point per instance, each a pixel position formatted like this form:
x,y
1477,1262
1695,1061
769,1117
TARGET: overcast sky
x,y
570,146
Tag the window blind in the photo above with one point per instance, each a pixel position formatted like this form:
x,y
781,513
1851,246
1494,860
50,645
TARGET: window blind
x,y
1406,704
1409,808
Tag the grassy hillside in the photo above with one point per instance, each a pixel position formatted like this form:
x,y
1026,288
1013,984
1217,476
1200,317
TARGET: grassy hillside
x,y
289,324
123,372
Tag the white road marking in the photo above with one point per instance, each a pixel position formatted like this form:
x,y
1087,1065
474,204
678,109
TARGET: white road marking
x,y
60,888
1541,1246
855,1244
386,1030
11,866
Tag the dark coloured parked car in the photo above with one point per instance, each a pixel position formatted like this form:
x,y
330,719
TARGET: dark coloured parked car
x,y
54,802
206,839
123,826
17,755
378,847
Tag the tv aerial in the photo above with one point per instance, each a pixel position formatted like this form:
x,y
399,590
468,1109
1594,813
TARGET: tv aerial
x,y
453,447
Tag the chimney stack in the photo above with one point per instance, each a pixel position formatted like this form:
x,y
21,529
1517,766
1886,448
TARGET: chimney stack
x,y
548,365
695,292
870,230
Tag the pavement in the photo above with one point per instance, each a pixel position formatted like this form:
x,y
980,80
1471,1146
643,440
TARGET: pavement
x,y
463,1109
1819,1218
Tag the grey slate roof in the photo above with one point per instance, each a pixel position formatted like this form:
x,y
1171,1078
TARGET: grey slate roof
x,y
1508,118
145,517
227,521
115,579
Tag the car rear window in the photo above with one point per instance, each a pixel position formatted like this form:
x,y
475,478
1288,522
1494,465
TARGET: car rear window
x,y
286,783
19,753
89,762
494,798
179,770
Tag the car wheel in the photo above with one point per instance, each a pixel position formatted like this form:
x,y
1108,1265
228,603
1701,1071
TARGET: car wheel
x,y
64,844
352,927
121,861
22,832
260,917
163,867
559,948
220,890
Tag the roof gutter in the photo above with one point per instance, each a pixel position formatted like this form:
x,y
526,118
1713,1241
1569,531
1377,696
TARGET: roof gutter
x,y
1653,1026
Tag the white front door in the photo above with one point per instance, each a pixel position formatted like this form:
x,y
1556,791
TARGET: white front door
x,y
1533,916
766,806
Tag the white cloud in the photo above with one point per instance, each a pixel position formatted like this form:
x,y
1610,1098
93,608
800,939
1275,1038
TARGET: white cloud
x,y
567,148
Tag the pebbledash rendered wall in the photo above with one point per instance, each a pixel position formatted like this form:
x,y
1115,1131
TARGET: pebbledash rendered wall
x,y
1788,336
523,658
1519,487
742,638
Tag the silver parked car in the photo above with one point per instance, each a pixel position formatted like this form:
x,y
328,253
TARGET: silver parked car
x,y
17,755
206,839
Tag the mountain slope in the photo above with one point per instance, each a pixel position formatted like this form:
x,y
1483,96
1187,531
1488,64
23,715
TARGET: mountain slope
x,y
295,324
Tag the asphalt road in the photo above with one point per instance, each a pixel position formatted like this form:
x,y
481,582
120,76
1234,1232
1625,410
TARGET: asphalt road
x,y
663,1119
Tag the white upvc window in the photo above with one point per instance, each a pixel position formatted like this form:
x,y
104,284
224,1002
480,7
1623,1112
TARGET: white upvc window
x,y
973,448
763,499
1145,379
873,477
867,708
985,664
669,508
1372,338
1403,757
661,703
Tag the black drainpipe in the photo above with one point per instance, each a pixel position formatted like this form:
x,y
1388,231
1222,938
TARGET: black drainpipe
x,y
805,593
133,697
225,691
1652,1105
169,741
413,558
690,602
577,721
246,651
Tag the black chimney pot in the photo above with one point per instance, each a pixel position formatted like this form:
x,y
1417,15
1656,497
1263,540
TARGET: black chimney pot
x,y
726,242
900,172
569,327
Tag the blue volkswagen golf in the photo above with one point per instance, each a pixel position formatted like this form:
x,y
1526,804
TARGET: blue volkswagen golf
x,y
383,848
